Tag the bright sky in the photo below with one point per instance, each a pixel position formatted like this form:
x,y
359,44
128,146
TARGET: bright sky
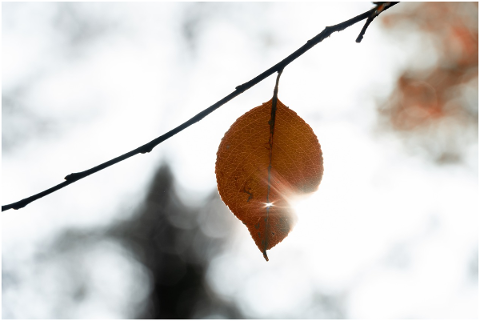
x,y
388,234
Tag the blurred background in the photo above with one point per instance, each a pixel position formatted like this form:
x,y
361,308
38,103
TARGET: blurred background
x,y
391,233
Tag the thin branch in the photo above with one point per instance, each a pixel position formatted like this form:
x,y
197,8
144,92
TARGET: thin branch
x,y
381,6
71,178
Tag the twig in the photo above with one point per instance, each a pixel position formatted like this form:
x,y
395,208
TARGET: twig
x,y
381,6
71,178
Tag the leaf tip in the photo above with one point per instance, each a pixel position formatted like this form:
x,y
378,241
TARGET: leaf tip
x,y
265,255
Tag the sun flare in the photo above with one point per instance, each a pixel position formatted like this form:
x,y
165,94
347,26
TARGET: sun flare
x,y
304,204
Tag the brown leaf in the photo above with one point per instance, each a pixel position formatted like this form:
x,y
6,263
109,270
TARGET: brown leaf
x,y
242,170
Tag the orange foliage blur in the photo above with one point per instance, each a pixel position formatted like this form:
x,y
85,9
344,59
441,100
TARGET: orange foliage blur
x,y
436,108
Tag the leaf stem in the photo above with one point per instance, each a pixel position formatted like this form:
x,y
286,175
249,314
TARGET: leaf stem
x,y
146,148
271,122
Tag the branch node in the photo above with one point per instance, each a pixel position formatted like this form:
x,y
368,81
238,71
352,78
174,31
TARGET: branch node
x,y
242,87
71,177
20,205
146,149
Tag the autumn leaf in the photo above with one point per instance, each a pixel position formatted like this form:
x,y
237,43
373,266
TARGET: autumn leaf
x,y
265,160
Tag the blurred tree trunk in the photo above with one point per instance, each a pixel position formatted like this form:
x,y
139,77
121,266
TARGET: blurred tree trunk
x,y
166,237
